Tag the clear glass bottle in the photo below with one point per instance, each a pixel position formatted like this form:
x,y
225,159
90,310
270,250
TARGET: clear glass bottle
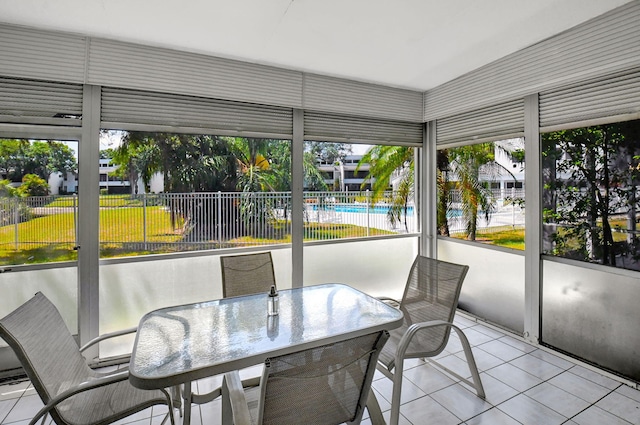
x,y
273,302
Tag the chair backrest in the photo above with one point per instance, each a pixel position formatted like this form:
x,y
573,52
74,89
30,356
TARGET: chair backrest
x,y
432,293
45,347
247,274
328,385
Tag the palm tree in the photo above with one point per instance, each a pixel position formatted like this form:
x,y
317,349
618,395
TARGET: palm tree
x,y
385,164
475,196
188,163
443,188
457,169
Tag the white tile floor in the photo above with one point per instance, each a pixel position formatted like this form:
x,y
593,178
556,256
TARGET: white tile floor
x,y
524,385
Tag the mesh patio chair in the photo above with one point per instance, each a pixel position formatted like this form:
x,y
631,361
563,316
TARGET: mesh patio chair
x,y
327,385
429,305
72,392
243,274
247,274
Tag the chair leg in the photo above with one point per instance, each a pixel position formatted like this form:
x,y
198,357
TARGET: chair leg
x,y
471,362
397,391
169,408
375,414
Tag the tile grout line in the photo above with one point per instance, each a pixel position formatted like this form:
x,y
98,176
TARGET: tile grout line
x,y
597,401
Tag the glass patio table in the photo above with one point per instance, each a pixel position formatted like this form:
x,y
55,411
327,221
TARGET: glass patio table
x,y
181,344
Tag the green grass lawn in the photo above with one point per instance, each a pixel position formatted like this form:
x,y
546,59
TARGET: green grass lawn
x,y
105,201
513,238
51,238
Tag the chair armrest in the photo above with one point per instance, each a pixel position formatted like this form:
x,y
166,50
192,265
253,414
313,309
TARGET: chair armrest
x,y
85,386
234,401
404,342
397,304
107,336
391,301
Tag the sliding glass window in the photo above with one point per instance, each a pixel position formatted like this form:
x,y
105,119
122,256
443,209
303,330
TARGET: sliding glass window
x,y
360,215
164,192
590,197
481,192
355,190
38,201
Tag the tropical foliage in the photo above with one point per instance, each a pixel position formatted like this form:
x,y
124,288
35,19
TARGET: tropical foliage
x,y
465,163
591,177
465,170
386,164
19,157
207,163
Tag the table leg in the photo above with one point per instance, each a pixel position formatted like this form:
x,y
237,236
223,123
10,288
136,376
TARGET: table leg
x,y
186,395
375,414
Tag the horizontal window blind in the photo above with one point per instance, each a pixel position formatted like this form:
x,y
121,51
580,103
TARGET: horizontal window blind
x,y
42,55
133,66
606,44
491,123
338,96
122,106
617,94
320,126
51,102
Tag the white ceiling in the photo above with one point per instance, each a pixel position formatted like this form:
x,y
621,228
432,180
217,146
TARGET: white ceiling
x,y
414,44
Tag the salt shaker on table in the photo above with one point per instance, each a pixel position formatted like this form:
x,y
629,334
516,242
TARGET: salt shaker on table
x,y
272,302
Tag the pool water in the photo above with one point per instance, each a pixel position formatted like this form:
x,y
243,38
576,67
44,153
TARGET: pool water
x,y
360,208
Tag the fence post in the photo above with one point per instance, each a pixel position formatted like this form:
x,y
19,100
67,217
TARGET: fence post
x,y
368,217
16,219
75,219
144,220
513,207
219,219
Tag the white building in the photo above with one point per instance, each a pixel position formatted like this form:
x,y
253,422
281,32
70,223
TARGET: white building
x,y
342,175
63,183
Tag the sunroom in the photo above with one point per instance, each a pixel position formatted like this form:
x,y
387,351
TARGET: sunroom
x,y
550,122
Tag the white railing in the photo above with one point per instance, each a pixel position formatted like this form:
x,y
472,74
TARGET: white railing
x,y
508,211
169,222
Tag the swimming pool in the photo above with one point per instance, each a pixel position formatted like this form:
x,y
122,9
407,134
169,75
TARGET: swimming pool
x,y
359,208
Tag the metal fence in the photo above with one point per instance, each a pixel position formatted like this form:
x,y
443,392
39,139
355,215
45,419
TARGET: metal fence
x,y
170,222
508,211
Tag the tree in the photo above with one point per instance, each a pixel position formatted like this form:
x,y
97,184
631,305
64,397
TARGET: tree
x,y
589,177
188,163
6,190
475,196
10,205
21,157
385,163
466,171
328,152
33,185
205,163
443,189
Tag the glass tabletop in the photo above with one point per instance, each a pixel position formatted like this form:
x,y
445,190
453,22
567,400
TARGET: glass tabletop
x,y
184,343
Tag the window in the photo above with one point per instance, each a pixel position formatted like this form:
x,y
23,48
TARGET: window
x,y
38,206
360,190
184,192
480,192
590,197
